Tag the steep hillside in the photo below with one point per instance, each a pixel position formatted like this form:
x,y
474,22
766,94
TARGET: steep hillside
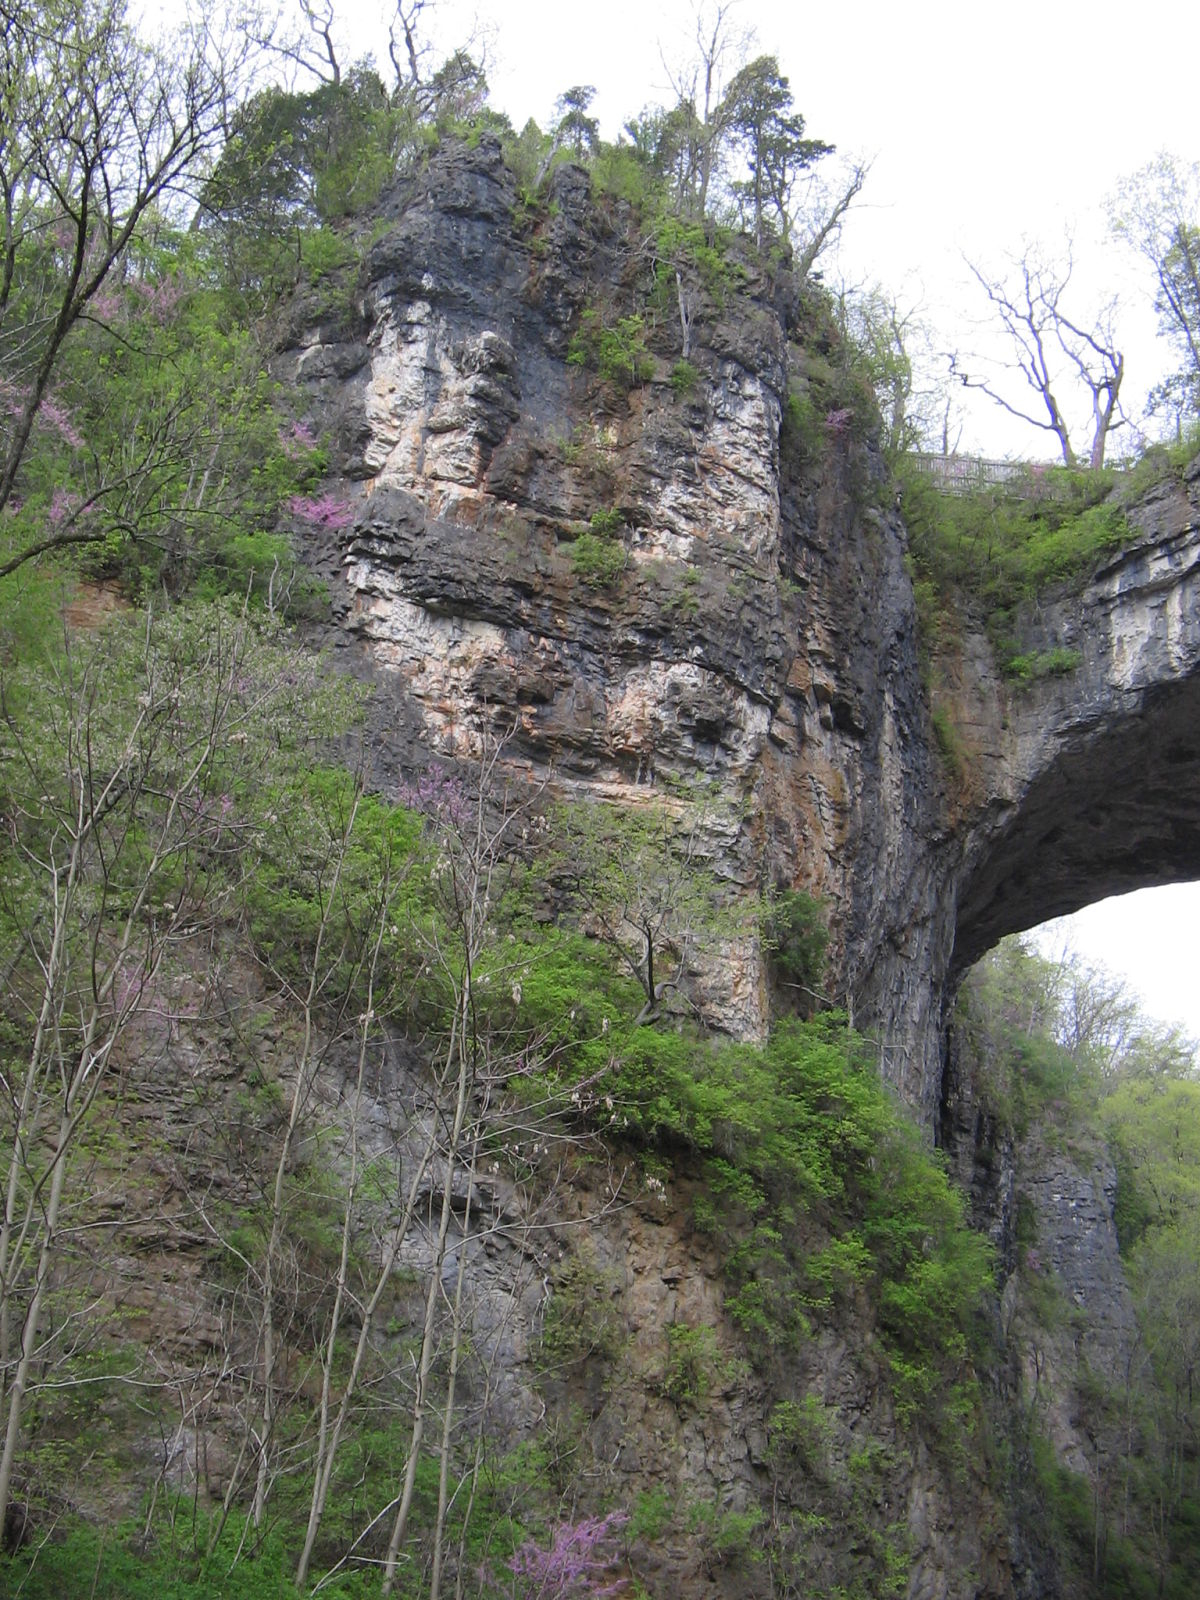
x,y
448,1139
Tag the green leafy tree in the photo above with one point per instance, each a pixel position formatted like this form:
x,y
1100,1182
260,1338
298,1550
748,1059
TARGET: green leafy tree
x,y
170,457
1157,212
97,130
294,164
640,880
757,111
796,935
573,129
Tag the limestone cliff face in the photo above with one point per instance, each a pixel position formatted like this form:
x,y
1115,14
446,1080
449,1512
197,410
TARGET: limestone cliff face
x,y
755,631
761,637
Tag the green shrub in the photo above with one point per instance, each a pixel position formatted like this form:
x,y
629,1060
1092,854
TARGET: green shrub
x,y
581,1320
597,560
725,1535
1038,664
795,935
999,547
684,377
606,524
950,744
617,352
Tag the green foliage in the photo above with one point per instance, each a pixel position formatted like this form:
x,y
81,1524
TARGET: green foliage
x,y
190,462
803,1125
118,1563
297,162
1038,664
799,1436
695,1365
724,1535
331,854
598,560
581,1321
684,377
697,253
617,351
650,1516
795,935
640,880
607,524
831,403
951,746
618,173
998,548
1161,463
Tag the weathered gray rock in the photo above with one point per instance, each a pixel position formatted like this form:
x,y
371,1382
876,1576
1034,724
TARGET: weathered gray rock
x,y
762,637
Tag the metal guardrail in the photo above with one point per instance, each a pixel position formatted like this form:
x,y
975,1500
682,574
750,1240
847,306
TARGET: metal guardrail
x,y
1033,480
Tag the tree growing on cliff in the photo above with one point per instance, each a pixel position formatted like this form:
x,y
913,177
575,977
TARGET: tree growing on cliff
x,y
641,881
690,137
573,129
758,112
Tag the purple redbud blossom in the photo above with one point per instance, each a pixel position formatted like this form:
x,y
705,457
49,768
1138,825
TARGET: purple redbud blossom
x,y
575,1562
62,506
298,440
59,418
436,794
322,511
836,422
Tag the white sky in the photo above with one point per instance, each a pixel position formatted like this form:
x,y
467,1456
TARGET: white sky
x,y
1147,938
987,126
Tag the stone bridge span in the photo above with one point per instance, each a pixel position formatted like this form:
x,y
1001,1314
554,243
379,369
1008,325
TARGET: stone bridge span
x,y
1091,781
1072,788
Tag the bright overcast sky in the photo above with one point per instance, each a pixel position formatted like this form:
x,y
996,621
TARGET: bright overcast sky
x,y
987,126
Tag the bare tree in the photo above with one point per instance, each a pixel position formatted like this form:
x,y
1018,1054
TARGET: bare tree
x,y
894,345
1054,355
698,122
820,212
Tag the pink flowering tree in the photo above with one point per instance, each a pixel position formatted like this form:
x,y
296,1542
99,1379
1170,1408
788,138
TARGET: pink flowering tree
x,y
577,1562
329,511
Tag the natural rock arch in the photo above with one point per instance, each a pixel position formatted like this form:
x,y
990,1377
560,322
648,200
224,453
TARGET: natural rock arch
x,y
1092,780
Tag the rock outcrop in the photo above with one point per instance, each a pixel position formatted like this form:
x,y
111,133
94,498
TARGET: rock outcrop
x,y
642,581
759,634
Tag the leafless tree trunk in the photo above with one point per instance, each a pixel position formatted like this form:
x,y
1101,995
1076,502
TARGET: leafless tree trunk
x,y
1049,349
823,214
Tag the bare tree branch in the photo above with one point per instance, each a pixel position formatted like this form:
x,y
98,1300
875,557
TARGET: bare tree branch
x,y
1049,349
